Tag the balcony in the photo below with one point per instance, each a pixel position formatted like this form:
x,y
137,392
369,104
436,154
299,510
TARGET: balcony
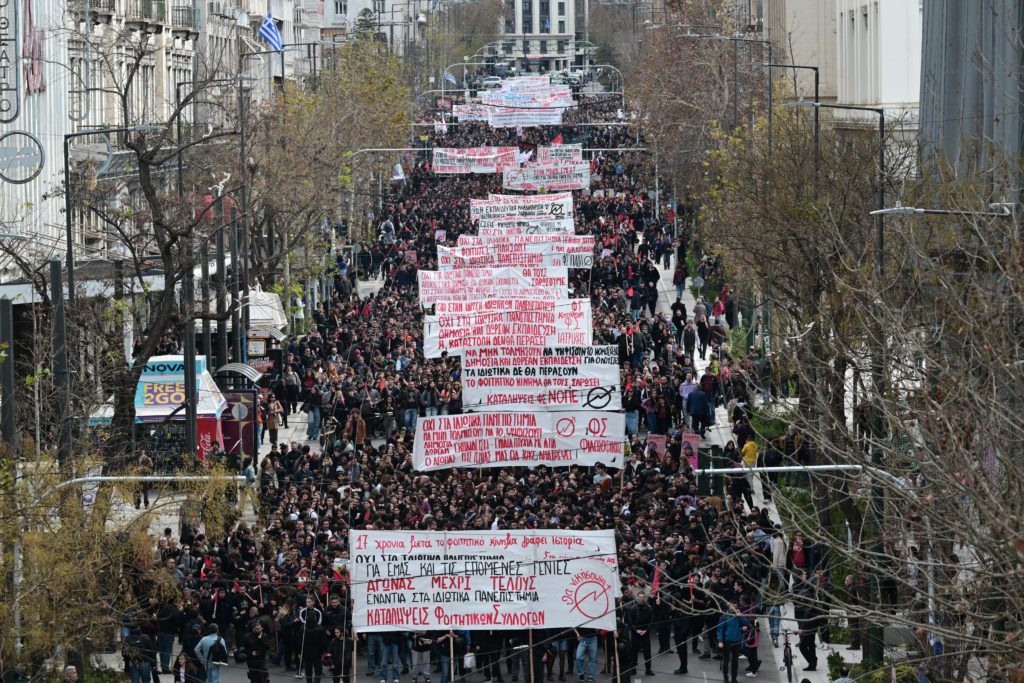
x,y
145,11
185,17
96,7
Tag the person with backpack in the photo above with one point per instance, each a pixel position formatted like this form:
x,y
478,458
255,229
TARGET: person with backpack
x,y
212,652
138,652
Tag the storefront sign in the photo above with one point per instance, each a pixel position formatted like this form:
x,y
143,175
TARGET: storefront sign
x,y
10,61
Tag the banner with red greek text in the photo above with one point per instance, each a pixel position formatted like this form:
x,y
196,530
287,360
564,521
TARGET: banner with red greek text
x,y
458,325
525,226
452,160
560,153
467,284
519,255
567,175
529,117
524,439
541,206
496,378
483,580
569,243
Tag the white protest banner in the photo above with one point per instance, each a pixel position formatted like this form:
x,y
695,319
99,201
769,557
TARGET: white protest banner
x,y
507,117
519,439
560,153
546,206
525,226
514,255
541,378
568,175
467,284
570,244
470,112
483,580
458,325
451,160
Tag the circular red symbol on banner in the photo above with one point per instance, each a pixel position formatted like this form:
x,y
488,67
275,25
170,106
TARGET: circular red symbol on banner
x,y
591,599
566,426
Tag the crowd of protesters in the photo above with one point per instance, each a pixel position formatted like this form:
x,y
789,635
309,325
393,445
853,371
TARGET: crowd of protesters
x,y
695,569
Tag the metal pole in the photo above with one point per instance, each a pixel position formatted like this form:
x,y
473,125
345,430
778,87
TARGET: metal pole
x,y
7,420
735,83
241,267
187,296
881,195
817,132
236,318
177,128
222,293
69,222
205,288
60,361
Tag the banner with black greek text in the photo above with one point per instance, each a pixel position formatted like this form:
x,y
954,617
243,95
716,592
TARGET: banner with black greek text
x,y
556,175
496,378
467,284
483,580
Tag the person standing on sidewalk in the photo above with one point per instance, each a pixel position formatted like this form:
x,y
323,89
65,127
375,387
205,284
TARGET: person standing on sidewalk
x,y
731,630
168,618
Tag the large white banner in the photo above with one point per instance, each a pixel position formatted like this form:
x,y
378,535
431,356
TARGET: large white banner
x,y
520,255
451,160
467,284
519,439
530,117
568,175
560,153
458,325
497,378
471,112
483,580
573,244
525,226
547,206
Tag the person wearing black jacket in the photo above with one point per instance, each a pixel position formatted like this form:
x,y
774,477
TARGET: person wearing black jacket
x,y
167,617
339,654
641,618
255,644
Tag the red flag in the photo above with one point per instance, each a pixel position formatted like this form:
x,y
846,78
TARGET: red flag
x,y
235,586
557,140
324,588
656,583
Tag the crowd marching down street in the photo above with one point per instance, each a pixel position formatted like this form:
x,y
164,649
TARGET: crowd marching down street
x,y
496,479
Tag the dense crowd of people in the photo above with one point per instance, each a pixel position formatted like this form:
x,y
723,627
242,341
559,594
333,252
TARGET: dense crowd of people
x,y
696,569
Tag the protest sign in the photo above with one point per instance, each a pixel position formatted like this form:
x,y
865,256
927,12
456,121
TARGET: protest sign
x,y
496,378
567,243
452,160
483,580
560,153
530,117
691,448
525,226
518,255
560,439
457,325
467,284
470,112
546,206
567,175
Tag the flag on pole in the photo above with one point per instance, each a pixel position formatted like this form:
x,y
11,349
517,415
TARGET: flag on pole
x,y
557,140
448,77
268,31
398,175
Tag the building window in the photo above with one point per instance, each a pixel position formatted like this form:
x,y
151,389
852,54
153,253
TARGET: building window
x,y
526,22
506,47
341,8
561,9
545,16
526,47
561,47
510,16
543,47
561,26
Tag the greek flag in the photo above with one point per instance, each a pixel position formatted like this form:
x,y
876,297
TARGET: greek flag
x,y
268,31
448,77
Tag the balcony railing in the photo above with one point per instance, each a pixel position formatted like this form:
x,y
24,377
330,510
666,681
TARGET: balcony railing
x,y
185,16
148,10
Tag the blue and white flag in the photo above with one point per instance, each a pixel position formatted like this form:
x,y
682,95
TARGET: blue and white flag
x,y
547,24
448,77
268,31
398,174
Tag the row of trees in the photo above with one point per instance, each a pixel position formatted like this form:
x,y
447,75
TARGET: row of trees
x,y
903,336
71,572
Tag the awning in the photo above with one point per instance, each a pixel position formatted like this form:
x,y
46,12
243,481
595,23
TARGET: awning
x,y
161,390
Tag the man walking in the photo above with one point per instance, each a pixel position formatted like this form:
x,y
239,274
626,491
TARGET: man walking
x,y
640,619
730,632
256,644
212,652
